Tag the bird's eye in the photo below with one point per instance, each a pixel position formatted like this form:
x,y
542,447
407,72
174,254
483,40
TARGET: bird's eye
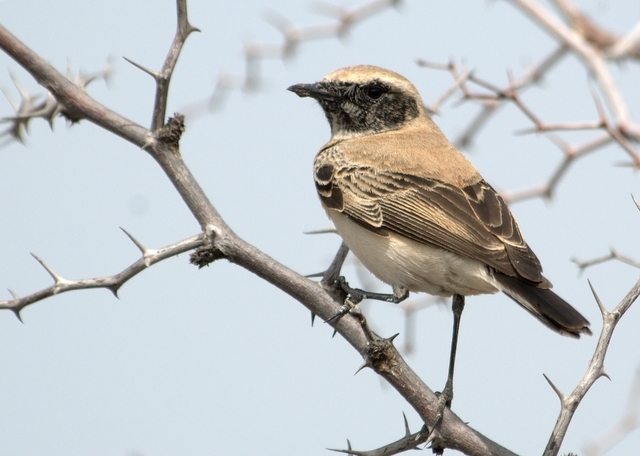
x,y
375,92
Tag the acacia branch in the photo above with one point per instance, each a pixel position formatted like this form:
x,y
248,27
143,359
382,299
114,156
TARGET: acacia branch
x,y
162,144
112,283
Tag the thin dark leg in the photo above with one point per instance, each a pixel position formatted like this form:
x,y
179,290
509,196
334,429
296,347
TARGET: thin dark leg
x,y
447,393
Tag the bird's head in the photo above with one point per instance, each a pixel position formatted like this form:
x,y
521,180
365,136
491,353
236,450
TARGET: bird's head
x,y
364,100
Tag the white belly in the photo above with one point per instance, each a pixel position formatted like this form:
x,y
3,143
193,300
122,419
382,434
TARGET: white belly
x,y
399,261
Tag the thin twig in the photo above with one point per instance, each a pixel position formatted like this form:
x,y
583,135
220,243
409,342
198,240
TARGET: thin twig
x,y
112,283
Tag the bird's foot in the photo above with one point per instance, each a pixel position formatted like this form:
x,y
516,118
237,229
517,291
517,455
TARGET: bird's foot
x,y
357,295
349,307
444,401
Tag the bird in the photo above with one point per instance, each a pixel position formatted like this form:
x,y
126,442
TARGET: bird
x,y
414,210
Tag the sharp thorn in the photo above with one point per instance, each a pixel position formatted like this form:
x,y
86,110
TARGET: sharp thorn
x,y
557,391
364,364
51,272
335,331
407,432
323,231
16,312
151,73
138,244
392,338
13,293
114,289
603,310
315,274
313,318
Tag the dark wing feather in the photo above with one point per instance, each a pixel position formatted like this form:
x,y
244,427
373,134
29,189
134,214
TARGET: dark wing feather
x,y
473,222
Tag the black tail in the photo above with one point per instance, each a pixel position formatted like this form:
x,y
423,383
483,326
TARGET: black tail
x,y
545,305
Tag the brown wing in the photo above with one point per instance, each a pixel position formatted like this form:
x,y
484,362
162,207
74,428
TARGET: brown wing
x,y
473,222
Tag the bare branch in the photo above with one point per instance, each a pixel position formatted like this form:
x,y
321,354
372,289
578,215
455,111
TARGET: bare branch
x,y
613,255
595,370
343,21
591,58
627,45
408,442
112,283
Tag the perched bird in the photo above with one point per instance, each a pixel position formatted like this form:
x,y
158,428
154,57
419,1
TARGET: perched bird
x,y
413,209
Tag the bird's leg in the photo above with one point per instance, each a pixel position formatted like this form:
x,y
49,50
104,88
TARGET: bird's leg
x,y
446,396
356,295
399,293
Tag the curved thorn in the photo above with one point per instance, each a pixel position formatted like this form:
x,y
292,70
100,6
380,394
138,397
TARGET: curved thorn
x,y
364,364
138,244
392,338
313,318
114,289
13,293
604,374
191,28
557,391
16,312
635,201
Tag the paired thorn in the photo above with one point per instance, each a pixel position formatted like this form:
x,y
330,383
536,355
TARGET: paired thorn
x,y
15,310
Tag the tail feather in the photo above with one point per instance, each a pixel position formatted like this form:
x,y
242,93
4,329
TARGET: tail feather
x,y
545,305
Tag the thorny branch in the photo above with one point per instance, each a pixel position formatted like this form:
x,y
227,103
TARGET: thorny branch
x,y
595,370
29,108
163,77
162,144
68,98
613,255
492,98
112,283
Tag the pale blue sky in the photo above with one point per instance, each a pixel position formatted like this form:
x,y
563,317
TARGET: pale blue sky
x,y
216,361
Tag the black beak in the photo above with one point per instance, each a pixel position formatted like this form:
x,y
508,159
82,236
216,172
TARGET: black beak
x,y
311,90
